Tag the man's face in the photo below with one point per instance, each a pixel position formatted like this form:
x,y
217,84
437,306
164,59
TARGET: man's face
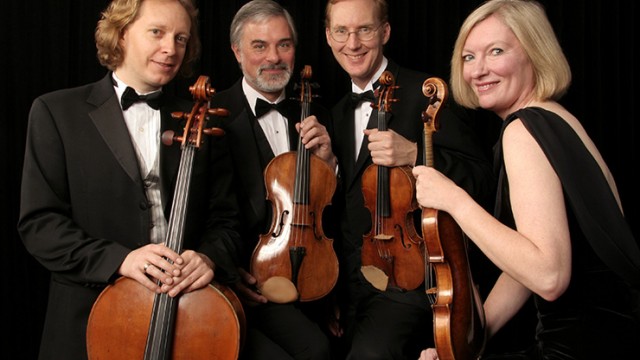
x,y
154,45
266,55
359,58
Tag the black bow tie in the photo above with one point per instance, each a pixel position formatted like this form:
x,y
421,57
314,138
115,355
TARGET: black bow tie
x,y
356,98
130,97
263,107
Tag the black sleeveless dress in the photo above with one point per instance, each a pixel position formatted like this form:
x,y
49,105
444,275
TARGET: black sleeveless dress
x,y
598,315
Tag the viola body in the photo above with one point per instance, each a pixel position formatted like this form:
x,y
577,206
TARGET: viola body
x,y
294,260
393,244
209,323
458,315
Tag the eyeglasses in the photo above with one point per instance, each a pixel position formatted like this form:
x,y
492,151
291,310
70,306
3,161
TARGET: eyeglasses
x,y
364,33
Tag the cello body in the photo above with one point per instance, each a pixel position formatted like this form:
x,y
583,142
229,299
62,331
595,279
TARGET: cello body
x,y
294,260
209,323
458,316
129,321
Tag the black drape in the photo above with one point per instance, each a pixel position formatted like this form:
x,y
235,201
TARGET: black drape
x,y
48,45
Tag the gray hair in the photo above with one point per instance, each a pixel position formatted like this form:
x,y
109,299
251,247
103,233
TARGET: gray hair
x,y
259,11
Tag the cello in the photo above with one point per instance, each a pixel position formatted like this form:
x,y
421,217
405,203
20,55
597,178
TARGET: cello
x,y
294,260
128,321
392,250
458,315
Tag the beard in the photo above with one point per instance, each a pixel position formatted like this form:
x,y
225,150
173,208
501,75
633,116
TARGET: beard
x,y
271,83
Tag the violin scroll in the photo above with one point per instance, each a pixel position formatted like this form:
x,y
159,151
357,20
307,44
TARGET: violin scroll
x,y
435,89
385,96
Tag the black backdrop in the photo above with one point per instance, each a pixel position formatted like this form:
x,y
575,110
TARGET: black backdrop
x,y
48,45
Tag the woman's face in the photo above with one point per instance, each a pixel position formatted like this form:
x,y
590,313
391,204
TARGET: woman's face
x,y
497,68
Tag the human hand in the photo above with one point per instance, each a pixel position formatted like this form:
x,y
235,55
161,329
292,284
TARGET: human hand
x,y
433,189
429,354
196,271
388,148
151,264
315,137
245,289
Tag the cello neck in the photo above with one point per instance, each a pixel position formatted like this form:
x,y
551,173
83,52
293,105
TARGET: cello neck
x,y
162,324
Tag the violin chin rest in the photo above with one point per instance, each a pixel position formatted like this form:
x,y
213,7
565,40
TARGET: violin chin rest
x,y
375,276
279,289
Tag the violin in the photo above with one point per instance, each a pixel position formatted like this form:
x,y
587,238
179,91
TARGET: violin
x,y
128,321
294,260
392,250
458,315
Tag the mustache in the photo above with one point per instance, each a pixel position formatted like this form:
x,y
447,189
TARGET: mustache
x,y
284,67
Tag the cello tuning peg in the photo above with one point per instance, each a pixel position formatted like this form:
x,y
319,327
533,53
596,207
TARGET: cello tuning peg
x,y
169,136
218,112
213,131
177,115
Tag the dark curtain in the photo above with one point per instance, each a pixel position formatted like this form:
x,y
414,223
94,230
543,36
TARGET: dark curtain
x,y
48,45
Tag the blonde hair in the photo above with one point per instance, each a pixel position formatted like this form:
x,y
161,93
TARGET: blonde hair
x,y
119,14
528,21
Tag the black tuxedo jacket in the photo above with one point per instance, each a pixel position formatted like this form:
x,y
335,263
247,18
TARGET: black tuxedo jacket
x,y
457,153
84,207
251,153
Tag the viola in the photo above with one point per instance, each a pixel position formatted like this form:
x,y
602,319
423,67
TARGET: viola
x,y
294,260
392,253
458,315
128,321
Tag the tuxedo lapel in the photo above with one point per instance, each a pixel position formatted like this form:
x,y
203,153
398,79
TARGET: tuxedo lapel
x,y
344,130
266,153
109,122
364,155
250,150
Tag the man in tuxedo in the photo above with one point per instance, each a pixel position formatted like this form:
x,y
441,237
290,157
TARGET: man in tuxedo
x,y
97,186
263,39
381,322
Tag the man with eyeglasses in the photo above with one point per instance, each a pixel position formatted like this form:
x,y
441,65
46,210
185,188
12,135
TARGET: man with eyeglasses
x,y
392,323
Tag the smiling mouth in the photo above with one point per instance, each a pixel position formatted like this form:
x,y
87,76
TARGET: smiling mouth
x,y
485,87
